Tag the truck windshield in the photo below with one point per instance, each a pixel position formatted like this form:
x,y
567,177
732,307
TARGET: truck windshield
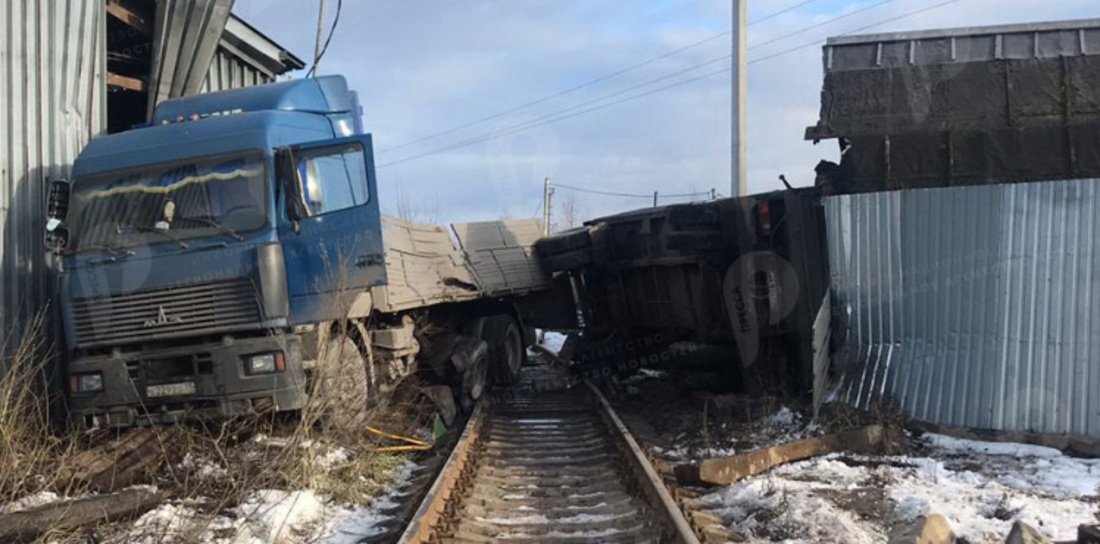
x,y
176,201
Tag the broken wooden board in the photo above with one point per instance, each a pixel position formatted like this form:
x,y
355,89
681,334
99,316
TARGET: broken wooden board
x,y
119,462
68,515
729,470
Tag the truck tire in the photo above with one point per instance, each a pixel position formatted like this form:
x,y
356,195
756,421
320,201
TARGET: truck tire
x,y
471,361
506,354
341,390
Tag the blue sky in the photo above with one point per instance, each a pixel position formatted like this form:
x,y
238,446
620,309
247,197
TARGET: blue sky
x,y
425,66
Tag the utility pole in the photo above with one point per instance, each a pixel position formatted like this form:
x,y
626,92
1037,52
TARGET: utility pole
x,y
739,172
320,32
654,199
547,197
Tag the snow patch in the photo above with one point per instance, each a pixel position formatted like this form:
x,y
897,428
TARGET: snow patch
x,y
981,488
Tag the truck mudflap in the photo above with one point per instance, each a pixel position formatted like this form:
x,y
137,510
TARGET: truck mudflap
x,y
188,382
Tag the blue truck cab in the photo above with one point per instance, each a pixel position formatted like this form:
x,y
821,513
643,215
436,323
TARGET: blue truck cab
x,y
196,250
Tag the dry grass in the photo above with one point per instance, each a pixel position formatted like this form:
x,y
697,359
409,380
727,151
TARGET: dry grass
x,y
31,452
207,469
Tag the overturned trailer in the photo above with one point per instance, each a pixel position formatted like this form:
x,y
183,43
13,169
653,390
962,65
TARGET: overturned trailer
x,y
737,281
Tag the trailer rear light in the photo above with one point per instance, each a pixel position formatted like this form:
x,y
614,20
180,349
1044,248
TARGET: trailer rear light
x,y
265,363
86,383
764,218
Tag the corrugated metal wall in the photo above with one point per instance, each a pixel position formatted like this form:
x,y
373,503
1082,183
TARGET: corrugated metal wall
x,y
185,42
227,71
973,306
52,100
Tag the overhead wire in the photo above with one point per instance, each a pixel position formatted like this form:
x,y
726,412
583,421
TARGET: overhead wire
x,y
571,111
827,22
853,31
328,40
626,195
784,11
545,120
591,82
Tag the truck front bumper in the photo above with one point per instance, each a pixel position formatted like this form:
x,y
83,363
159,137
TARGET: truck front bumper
x,y
161,386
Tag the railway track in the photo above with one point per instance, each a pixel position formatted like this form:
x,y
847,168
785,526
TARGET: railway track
x,y
547,464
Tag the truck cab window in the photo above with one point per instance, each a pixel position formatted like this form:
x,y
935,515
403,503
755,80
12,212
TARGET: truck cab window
x,y
333,178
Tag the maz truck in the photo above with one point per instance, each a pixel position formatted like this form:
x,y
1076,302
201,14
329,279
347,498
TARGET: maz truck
x,y
230,258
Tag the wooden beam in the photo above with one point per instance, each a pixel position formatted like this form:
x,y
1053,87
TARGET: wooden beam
x,y
127,12
729,470
124,82
68,515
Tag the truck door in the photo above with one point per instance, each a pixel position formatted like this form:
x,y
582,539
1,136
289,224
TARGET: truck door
x,y
332,239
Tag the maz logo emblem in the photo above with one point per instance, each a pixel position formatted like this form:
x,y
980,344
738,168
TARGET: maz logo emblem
x,y
162,319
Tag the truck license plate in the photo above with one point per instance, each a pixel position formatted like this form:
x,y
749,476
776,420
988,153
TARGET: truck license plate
x,y
171,389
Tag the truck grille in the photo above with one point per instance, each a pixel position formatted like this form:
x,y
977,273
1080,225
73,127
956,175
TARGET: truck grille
x,y
167,313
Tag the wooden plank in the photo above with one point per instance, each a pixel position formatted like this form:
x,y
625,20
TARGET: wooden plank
x,y
127,12
729,470
124,82
69,515
119,462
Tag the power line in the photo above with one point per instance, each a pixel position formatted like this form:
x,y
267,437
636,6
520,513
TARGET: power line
x,y
331,31
782,12
821,24
589,83
532,124
557,94
853,31
625,195
570,112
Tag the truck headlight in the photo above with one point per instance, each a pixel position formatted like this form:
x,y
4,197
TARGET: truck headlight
x,y
86,383
265,363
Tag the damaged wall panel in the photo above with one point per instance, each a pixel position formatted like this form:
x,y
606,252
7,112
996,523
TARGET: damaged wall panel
x,y
52,101
965,106
972,306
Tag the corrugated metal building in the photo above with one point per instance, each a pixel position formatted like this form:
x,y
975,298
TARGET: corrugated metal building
x,y
70,70
972,306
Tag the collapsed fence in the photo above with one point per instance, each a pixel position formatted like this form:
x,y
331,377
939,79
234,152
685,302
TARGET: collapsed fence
x,y
972,306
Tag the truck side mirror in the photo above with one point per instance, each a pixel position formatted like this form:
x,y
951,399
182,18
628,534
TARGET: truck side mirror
x,y
56,237
291,181
57,204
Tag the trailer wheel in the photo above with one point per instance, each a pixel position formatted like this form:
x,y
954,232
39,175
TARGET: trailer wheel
x,y
506,355
340,389
471,360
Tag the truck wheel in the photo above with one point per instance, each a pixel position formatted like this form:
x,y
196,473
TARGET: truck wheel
x,y
506,355
471,360
340,389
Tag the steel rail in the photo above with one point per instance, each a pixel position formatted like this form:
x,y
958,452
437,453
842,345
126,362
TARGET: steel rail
x,y
444,513
647,476
432,509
